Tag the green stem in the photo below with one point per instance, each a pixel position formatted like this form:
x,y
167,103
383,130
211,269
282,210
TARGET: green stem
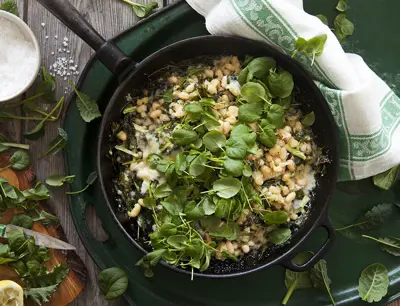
x,y
80,191
5,115
24,101
352,225
381,241
43,113
289,292
16,145
330,295
133,3
1,169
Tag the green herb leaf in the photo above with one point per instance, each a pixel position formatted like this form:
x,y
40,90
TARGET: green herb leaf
x,y
40,295
267,136
279,235
343,27
342,6
88,108
172,205
20,160
236,148
280,83
142,10
214,140
313,47
197,166
57,180
276,217
208,206
320,279
194,211
250,112
296,153
57,144
193,108
387,179
91,179
308,119
375,217
9,6
323,18
261,66
184,137
22,220
244,132
233,167
38,193
276,115
373,283
218,229
253,92
36,132
113,282
162,191
388,244
297,280
242,77
227,187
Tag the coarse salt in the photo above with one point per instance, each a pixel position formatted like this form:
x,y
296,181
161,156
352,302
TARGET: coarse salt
x,y
18,59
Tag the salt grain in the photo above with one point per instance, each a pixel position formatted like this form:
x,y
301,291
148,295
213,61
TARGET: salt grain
x,y
18,59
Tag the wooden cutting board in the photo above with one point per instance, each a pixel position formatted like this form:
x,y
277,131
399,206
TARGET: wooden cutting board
x,y
73,284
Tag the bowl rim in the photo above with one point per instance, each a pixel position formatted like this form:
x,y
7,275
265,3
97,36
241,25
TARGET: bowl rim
x,y
22,25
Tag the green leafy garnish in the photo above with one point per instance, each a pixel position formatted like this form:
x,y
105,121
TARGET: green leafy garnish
x,y
373,283
312,48
142,10
308,119
22,220
19,161
320,279
57,180
322,18
388,244
113,282
279,235
297,280
88,108
57,144
343,27
342,6
89,181
387,179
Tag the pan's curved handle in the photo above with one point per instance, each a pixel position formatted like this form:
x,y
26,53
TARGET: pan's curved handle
x,y
291,265
108,53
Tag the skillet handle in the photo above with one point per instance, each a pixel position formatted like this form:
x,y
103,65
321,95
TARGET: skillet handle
x,y
326,224
108,53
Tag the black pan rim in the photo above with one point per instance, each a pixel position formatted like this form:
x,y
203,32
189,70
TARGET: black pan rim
x,y
293,247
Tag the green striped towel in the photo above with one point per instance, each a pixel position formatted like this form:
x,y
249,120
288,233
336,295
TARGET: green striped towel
x,y
366,110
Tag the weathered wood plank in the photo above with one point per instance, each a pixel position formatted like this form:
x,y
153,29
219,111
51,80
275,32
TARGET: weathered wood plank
x,y
109,18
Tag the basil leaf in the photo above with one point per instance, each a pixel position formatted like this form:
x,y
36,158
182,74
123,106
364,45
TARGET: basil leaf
x,y
373,283
20,160
387,179
279,235
87,107
184,137
113,282
214,141
227,187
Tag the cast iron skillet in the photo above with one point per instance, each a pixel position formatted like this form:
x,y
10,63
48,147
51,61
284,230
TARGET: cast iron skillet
x,y
134,76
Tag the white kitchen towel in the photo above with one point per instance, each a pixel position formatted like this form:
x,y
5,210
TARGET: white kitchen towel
x,y
366,110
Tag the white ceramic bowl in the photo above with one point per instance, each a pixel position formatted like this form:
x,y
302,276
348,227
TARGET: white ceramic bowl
x,y
30,36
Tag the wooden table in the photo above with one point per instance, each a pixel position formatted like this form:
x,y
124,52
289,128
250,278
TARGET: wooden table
x,y
109,17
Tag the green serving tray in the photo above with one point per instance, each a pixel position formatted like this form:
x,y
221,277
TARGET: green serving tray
x,y
347,258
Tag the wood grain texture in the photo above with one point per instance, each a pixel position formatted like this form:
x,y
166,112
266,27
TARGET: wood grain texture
x,y
109,17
